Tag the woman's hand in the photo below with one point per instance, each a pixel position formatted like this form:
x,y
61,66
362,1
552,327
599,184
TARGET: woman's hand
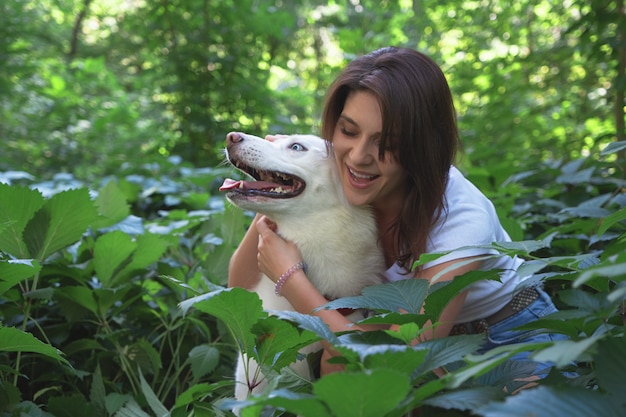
x,y
275,255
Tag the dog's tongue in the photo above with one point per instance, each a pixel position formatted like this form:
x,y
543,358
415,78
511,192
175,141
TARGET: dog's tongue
x,y
230,184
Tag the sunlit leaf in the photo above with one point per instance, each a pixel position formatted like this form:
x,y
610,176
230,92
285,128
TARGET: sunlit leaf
x,y
112,205
61,221
237,308
112,252
18,205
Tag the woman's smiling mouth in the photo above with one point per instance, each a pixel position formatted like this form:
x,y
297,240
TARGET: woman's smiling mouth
x,y
360,178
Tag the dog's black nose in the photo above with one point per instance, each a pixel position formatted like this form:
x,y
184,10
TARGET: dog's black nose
x,y
234,137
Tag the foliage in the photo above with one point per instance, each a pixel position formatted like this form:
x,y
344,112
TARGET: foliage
x,y
90,292
113,300
104,235
99,84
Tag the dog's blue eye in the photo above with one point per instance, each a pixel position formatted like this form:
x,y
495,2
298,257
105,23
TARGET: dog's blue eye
x,y
297,147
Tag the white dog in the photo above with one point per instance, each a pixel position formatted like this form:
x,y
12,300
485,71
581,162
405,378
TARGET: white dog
x,y
297,186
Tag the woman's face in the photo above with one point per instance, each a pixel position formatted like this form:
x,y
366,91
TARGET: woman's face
x,y
364,177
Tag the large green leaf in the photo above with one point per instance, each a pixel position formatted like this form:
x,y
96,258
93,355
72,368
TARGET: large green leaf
x,y
239,309
17,206
61,221
548,401
407,295
367,394
149,249
611,366
439,298
14,340
80,295
203,359
278,342
467,399
442,352
112,252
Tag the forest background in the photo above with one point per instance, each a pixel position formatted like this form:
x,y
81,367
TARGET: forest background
x,y
132,100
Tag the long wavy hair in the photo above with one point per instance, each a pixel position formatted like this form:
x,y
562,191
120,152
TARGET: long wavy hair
x,y
419,123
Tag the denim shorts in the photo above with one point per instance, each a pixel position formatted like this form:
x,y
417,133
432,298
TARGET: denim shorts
x,y
501,333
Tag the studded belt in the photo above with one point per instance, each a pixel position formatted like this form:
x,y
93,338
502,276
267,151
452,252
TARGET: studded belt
x,y
519,301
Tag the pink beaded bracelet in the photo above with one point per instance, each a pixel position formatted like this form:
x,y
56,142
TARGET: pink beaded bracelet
x,y
284,277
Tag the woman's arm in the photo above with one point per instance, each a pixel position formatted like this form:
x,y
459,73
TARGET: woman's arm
x,y
243,269
451,312
275,256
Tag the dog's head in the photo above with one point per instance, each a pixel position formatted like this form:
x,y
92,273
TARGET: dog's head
x,y
286,168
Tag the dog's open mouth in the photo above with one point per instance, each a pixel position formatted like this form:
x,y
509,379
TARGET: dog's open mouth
x,y
273,184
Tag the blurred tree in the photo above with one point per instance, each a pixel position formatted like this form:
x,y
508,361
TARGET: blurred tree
x,y
107,84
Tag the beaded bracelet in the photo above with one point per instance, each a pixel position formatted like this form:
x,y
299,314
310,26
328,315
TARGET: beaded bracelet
x,y
284,277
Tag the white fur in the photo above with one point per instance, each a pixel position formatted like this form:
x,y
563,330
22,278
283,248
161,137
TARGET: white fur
x,y
338,241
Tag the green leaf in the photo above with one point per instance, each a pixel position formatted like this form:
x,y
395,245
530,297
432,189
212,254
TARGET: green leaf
x,y
153,402
308,322
439,298
442,352
204,359
82,296
149,249
115,401
232,225
131,409
278,342
612,219
112,206
552,402
613,147
468,399
407,294
199,391
14,340
299,404
145,356
566,352
404,360
368,394
17,206
12,272
97,392
615,272
66,406
61,221
111,252
239,309
610,365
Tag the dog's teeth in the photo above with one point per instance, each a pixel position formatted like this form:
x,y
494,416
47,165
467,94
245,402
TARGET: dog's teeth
x,y
241,184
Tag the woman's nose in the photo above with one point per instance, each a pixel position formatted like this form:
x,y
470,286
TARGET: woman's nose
x,y
363,152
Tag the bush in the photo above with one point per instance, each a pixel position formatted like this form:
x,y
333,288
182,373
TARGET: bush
x,y
93,278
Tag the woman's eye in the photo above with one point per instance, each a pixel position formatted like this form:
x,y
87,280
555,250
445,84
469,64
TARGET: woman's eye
x,y
297,147
346,132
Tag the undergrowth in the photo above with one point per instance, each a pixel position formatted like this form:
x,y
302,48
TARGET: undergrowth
x,y
112,302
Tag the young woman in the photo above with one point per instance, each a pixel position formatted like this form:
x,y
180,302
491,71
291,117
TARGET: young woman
x,y
392,123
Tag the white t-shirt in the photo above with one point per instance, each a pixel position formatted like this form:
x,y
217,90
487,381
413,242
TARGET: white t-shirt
x,y
470,219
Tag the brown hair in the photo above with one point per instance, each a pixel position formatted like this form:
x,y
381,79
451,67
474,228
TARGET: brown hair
x,y
419,123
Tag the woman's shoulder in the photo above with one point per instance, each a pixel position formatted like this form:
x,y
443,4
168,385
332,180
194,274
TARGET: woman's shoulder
x,y
469,217
462,193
